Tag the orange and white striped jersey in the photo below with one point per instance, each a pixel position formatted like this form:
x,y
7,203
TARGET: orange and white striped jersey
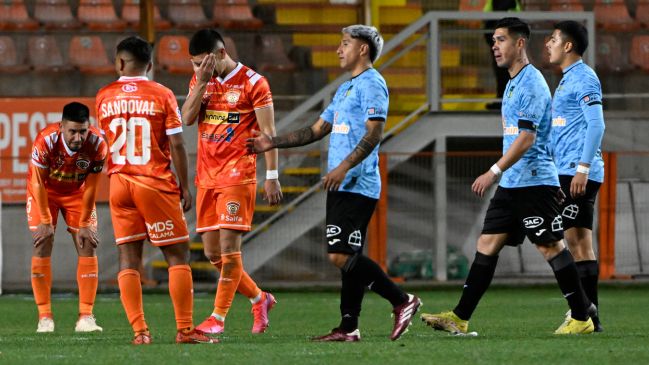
x,y
67,169
226,119
137,116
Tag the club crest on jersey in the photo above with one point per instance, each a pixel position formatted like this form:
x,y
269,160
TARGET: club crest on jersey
x,y
232,97
232,207
82,164
129,88
511,92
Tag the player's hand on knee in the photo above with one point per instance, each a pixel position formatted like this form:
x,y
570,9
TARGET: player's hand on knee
x,y
87,236
43,234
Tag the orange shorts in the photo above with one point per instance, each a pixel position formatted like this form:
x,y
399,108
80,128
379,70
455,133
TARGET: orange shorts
x,y
231,208
140,212
68,204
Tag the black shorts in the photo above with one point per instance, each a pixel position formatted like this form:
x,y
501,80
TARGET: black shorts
x,y
347,217
530,211
578,212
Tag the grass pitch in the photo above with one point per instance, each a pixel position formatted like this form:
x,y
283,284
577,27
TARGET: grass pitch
x,y
515,326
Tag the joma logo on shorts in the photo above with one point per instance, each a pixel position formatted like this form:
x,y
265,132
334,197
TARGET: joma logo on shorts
x,y
160,226
532,222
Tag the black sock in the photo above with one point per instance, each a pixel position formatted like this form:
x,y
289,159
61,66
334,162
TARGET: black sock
x,y
369,274
476,284
565,270
351,297
589,276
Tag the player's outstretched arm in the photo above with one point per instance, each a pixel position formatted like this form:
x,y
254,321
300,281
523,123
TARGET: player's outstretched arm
x,y
365,146
179,158
521,144
263,142
272,188
87,235
192,105
45,230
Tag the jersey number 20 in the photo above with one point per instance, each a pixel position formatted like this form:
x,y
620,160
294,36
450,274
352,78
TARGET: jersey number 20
x,y
127,137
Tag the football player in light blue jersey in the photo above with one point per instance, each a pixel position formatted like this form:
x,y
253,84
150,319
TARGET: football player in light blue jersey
x,y
526,202
577,131
355,119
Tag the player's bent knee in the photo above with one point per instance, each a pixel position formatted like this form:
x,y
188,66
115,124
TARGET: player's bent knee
x,y
550,249
339,259
44,249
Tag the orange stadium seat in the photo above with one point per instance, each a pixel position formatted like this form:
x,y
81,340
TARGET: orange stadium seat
x,y
131,14
44,54
99,15
55,14
609,55
273,56
13,16
231,48
88,54
566,5
533,5
187,14
614,15
640,51
9,61
173,54
471,5
642,13
231,14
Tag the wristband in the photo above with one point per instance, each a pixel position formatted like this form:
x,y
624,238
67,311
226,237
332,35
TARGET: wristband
x,y
272,175
583,169
496,170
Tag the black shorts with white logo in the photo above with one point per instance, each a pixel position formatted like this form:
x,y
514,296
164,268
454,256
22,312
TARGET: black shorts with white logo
x,y
347,217
530,211
578,212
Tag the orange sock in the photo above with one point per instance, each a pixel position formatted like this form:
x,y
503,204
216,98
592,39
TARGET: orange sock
x,y
42,284
87,279
247,286
228,282
182,295
130,290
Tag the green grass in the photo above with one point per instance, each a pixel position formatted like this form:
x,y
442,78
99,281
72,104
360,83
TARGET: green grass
x,y
515,325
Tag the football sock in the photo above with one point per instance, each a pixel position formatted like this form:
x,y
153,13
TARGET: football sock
x,y
228,282
246,287
369,274
351,298
182,295
87,280
567,276
476,284
589,275
130,289
42,284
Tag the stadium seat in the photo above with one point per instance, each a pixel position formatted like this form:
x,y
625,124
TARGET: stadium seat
x,y
173,54
272,57
609,55
13,16
44,54
640,51
231,48
55,14
88,54
642,13
566,5
187,14
99,15
234,14
613,15
471,5
9,61
533,5
131,14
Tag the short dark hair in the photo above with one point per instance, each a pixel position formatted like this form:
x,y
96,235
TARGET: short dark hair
x,y
137,47
574,32
76,112
514,26
204,41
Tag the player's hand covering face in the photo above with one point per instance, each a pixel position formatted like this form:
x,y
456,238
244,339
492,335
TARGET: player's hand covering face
x,y
204,66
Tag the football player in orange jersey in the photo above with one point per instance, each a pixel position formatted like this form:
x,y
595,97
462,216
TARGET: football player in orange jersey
x,y
142,126
229,101
67,158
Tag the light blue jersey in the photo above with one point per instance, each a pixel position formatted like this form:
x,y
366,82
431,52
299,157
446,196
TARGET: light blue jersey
x,y
357,100
526,105
578,93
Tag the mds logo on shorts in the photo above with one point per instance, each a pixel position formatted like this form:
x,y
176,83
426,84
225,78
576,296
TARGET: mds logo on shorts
x,y
159,230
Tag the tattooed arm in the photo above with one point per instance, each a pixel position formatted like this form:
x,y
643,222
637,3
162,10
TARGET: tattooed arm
x,y
263,142
364,147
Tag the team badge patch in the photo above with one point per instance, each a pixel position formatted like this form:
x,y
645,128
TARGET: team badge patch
x,y
232,97
232,207
82,164
131,87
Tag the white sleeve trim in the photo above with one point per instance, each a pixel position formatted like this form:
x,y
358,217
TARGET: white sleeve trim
x,y
38,164
174,130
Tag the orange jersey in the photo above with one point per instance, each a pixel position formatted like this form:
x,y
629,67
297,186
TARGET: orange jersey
x,y
226,119
137,116
67,170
